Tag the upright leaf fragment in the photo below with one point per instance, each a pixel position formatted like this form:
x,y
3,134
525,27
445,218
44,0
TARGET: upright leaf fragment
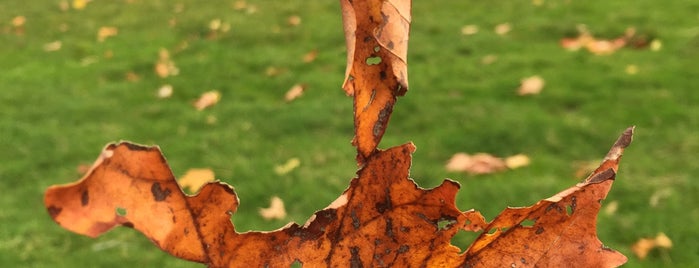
x,y
376,32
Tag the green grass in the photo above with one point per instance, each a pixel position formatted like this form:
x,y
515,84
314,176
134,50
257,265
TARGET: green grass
x,y
57,110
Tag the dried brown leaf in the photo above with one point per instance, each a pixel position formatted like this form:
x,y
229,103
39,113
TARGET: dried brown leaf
x,y
207,99
310,56
531,85
376,33
275,211
105,32
644,245
480,163
294,92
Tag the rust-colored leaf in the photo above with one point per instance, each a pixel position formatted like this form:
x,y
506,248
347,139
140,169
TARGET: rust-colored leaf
x,y
382,219
556,231
376,32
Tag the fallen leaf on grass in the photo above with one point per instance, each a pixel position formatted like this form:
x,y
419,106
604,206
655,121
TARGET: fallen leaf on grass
x,y
294,20
165,67
310,56
52,46
658,196
275,211
165,92
517,161
531,85
195,178
611,208
645,245
480,163
503,28
18,21
207,99
105,32
470,29
597,46
287,167
294,92
80,4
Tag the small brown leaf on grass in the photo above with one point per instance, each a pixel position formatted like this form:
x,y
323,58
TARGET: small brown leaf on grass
x,y
106,31
165,67
18,21
294,20
207,99
195,178
645,245
310,56
275,211
480,163
294,92
531,85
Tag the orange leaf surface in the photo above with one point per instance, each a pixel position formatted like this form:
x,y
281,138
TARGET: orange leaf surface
x,y
376,32
382,219
557,231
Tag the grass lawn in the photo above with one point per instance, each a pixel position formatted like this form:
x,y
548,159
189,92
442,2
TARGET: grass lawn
x,y
58,108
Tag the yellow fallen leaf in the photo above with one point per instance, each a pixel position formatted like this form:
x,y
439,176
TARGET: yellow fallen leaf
x,y
275,210
659,195
287,167
165,92
655,45
489,59
207,99
80,4
195,178
165,67
240,5
644,245
53,46
18,21
294,92
517,161
531,85
106,31
470,29
480,163
631,69
611,208
503,28
294,20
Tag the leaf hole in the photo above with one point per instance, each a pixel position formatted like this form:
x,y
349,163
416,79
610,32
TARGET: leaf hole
x,y
569,210
444,224
120,211
527,223
377,48
296,264
463,239
373,60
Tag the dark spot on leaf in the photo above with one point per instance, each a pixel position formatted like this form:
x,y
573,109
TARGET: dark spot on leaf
x,y
84,198
54,211
603,176
390,45
523,261
355,220
403,249
382,75
128,224
355,261
159,194
380,125
389,228
539,230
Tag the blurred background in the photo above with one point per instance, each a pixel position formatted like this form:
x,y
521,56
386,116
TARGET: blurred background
x,y
554,80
